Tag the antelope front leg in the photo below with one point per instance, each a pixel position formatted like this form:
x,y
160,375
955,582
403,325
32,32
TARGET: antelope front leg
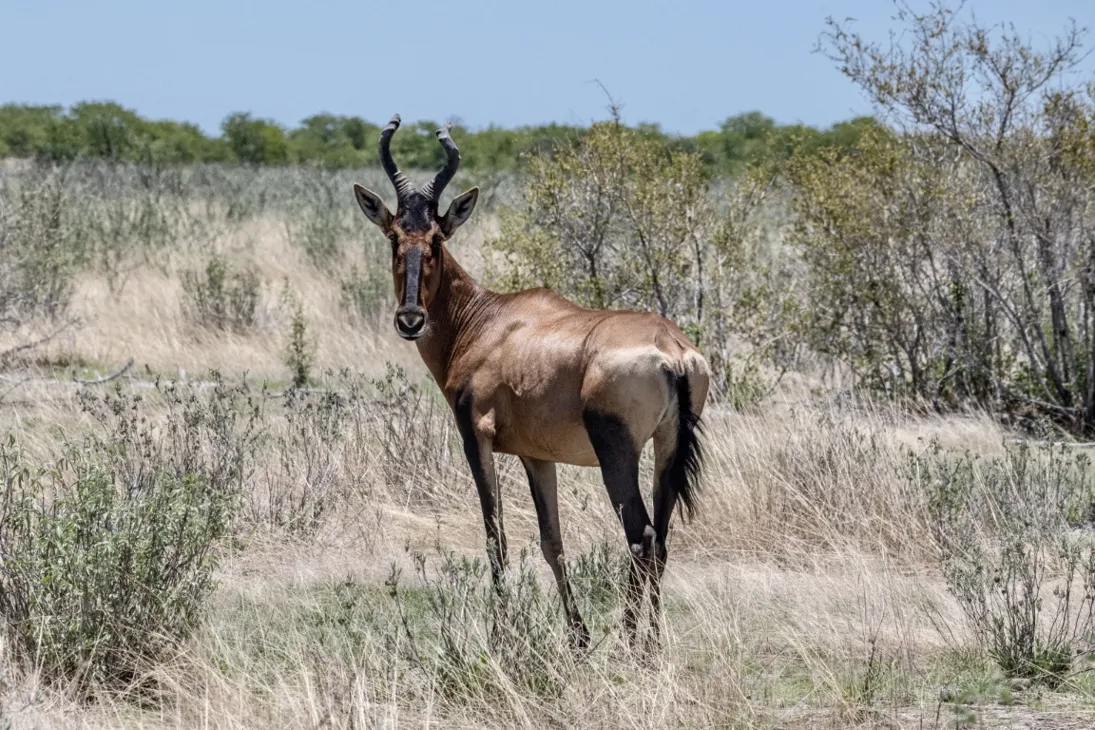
x,y
481,462
480,456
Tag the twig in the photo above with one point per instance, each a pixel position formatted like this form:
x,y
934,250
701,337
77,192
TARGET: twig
x,y
106,378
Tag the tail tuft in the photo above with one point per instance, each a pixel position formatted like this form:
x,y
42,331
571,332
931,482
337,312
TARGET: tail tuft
x,y
684,472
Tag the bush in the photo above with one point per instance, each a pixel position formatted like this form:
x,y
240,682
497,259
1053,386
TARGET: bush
x,y
107,556
255,141
414,467
1017,548
612,221
948,258
304,477
132,215
221,298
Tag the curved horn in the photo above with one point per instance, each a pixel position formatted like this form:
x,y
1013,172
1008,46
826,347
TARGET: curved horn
x,y
434,188
403,186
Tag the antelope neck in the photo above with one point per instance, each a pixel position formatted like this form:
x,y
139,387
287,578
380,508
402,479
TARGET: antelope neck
x,y
456,315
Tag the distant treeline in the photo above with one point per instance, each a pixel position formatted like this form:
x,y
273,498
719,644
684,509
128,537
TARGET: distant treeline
x,y
109,130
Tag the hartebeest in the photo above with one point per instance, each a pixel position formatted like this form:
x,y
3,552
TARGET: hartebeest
x,y
534,375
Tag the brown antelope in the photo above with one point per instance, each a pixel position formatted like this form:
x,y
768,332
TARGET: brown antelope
x,y
534,375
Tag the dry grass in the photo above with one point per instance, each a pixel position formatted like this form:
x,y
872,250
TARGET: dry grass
x,y
801,597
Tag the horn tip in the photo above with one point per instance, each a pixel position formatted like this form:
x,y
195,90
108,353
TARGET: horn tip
x,y
443,130
394,123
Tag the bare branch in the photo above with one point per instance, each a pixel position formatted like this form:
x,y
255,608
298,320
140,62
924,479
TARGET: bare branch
x,y
106,378
8,354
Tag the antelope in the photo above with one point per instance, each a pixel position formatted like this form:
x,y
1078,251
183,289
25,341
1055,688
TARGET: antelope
x,y
536,376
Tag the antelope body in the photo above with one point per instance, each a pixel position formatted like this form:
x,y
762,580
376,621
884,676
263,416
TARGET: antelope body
x,y
533,375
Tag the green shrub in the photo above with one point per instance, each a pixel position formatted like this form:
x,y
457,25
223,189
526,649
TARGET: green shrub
x,y
598,579
941,254
605,223
100,581
107,555
1017,549
221,298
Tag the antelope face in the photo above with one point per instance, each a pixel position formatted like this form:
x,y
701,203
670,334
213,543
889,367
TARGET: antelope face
x,y
416,231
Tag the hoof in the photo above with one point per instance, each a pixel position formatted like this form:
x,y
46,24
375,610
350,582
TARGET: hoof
x,y
645,550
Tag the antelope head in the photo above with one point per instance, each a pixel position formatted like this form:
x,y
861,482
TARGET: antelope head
x,y
416,231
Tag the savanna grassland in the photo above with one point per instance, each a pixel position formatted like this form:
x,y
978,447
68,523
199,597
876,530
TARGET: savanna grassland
x,y
233,497
349,587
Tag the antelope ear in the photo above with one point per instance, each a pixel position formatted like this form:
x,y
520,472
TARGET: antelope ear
x,y
460,210
373,207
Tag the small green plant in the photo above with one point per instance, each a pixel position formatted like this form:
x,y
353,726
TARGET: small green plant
x,y
1017,550
220,297
300,348
597,579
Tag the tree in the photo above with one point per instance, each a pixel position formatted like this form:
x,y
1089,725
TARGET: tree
x,y
255,141
24,130
108,130
971,272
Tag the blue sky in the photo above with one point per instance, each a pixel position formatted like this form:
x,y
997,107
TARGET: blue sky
x,y
685,64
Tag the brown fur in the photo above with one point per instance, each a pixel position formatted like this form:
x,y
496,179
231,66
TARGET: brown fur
x,y
534,375
535,362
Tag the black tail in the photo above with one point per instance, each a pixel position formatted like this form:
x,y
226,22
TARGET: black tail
x,y
684,472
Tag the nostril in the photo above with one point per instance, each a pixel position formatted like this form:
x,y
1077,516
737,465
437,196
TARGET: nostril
x,y
410,322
